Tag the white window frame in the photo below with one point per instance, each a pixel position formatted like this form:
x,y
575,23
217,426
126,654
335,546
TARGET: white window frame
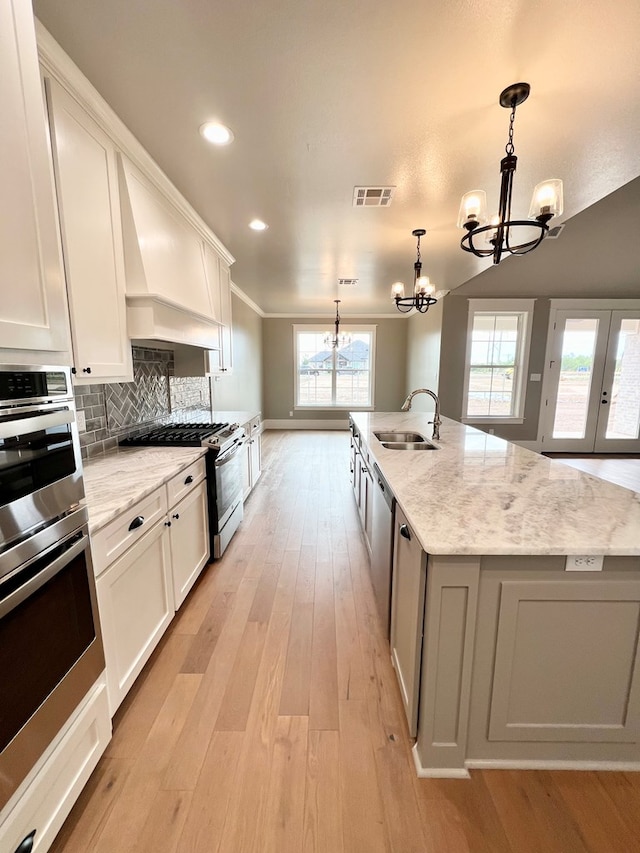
x,y
323,328
501,306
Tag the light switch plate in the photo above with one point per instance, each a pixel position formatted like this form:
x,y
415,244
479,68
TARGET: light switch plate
x,y
535,377
81,421
584,563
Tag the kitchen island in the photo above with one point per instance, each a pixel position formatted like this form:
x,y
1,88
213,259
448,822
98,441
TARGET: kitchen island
x,y
509,651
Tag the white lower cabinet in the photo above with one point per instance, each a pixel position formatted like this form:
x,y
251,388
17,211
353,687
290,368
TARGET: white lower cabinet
x,y
135,599
56,784
189,541
146,561
252,465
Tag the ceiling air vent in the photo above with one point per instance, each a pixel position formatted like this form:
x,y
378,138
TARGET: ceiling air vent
x,y
348,282
372,196
554,232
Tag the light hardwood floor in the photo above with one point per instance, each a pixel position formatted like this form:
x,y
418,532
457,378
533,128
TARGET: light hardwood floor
x,y
269,718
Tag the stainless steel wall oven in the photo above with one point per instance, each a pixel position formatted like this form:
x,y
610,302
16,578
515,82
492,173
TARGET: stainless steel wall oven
x,y
50,644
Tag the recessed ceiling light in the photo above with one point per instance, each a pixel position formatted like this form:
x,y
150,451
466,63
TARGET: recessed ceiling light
x,y
216,133
258,225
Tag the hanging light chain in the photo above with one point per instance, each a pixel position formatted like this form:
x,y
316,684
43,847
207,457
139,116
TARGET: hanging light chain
x,y
509,147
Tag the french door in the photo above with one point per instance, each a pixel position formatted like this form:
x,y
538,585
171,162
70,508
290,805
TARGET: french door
x,y
592,383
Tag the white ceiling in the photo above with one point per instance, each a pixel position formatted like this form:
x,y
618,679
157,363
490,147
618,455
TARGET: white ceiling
x,y
324,95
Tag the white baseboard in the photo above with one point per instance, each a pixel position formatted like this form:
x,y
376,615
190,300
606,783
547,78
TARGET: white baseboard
x,y
292,423
437,772
531,764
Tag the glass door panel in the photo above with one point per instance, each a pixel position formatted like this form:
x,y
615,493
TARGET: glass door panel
x,y
619,417
576,378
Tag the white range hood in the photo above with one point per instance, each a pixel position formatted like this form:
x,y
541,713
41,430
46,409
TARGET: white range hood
x,y
169,297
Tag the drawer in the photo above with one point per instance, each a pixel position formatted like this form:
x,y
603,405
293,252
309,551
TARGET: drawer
x,y
49,797
114,538
182,483
255,425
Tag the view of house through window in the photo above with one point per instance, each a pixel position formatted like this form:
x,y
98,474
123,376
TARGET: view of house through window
x,y
496,362
328,376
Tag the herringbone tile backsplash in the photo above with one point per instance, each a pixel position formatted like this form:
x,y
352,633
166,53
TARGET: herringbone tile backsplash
x,y
155,396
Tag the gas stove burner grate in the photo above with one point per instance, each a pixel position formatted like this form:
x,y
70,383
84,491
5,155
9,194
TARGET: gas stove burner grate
x,y
179,435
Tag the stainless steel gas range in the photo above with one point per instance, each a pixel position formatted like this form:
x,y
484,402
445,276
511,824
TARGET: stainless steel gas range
x,y
224,443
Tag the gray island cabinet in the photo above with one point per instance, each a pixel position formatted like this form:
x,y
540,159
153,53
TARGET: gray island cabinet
x,y
507,654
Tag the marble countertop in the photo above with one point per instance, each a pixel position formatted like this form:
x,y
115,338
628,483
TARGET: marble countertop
x,y
118,480
479,494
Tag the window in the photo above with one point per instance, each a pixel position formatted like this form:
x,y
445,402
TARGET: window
x,y
334,377
499,336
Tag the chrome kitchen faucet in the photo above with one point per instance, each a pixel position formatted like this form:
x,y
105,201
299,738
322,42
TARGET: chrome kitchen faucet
x,y
436,417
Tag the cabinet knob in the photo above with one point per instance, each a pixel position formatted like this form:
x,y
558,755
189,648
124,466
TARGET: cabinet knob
x,y
188,480
86,370
138,521
74,371
26,844
176,515
404,531
167,524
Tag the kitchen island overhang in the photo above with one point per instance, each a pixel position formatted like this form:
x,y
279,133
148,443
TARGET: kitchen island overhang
x,y
524,664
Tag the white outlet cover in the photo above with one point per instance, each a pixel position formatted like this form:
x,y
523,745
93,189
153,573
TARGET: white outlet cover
x,y
584,563
82,421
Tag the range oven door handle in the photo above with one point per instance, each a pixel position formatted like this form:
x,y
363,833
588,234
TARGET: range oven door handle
x,y
228,454
30,586
10,427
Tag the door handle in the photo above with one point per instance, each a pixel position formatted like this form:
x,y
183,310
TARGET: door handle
x,y
138,521
404,531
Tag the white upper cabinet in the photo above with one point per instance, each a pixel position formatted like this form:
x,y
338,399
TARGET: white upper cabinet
x,y
226,333
212,264
169,262
33,311
89,207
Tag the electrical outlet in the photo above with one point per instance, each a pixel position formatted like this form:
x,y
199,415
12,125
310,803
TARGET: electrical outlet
x,y
290,414
81,421
584,563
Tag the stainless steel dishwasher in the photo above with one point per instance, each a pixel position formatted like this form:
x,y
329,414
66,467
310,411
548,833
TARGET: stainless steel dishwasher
x,y
382,547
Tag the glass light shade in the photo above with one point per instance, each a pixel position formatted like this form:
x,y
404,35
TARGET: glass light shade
x,y
397,289
424,286
473,208
258,225
547,198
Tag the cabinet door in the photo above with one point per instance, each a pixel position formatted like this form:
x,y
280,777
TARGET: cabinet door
x,y
189,540
256,460
135,600
226,332
89,206
246,469
212,271
33,311
407,615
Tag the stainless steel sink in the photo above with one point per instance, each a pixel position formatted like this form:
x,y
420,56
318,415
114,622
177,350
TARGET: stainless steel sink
x,y
409,445
399,436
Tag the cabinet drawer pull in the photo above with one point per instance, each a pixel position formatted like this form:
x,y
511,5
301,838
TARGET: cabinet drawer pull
x,y
138,521
86,370
26,844
404,531
188,480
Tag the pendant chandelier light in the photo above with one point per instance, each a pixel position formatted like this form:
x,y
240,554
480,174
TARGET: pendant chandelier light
x,y
504,235
337,339
424,293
